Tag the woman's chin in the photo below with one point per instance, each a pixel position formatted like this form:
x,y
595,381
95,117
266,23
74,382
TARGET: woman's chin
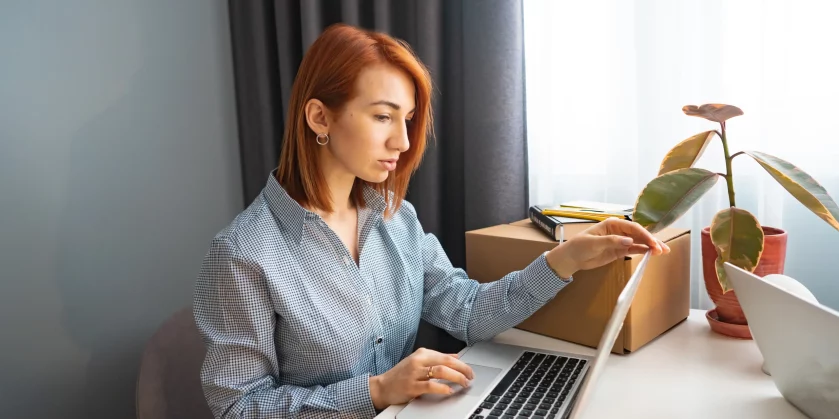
x,y
377,176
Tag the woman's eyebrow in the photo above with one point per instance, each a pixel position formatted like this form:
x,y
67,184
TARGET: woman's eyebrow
x,y
390,104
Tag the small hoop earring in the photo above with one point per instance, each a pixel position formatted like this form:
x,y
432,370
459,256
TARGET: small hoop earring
x,y
322,136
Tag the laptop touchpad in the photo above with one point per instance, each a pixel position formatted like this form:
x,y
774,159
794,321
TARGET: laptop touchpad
x,y
460,404
483,378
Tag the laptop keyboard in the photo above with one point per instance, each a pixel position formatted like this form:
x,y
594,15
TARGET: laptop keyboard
x,y
537,386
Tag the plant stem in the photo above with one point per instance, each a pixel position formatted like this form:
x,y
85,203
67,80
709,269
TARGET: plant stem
x,y
729,179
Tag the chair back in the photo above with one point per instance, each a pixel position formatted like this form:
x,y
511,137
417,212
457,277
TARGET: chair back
x,y
169,384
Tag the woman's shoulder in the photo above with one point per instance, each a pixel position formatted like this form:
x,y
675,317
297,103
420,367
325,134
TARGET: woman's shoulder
x,y
252,231
405,219
407,210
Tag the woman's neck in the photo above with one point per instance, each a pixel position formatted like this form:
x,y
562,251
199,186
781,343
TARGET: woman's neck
x,y
340,183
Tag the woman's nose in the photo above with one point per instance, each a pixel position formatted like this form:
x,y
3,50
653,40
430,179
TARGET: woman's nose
x,y
400,140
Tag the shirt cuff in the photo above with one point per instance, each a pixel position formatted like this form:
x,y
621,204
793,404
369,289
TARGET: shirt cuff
x,y
353,397
541,281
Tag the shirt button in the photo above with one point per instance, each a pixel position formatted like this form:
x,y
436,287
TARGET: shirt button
x,y
379,340
346,261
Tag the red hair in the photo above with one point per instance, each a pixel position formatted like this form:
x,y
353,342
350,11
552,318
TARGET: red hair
x,y
328,72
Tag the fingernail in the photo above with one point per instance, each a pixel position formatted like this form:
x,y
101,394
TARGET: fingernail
x,y
626,241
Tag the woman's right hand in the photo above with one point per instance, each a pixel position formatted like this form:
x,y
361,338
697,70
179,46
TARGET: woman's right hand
x,y
409,378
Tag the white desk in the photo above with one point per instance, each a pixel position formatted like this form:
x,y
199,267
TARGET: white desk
x,y
689,372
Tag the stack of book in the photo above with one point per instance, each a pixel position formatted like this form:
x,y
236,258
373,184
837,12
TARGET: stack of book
x,y
551,219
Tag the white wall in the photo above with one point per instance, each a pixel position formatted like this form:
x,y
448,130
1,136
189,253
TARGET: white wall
x,y
118,163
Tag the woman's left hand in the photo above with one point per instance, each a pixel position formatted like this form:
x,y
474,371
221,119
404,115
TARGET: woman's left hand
x,y
602,243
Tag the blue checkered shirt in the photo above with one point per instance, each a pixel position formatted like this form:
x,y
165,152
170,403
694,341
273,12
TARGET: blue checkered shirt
x,y
294,328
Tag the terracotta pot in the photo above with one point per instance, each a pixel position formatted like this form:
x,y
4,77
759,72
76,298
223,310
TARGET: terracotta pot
x,y
728,312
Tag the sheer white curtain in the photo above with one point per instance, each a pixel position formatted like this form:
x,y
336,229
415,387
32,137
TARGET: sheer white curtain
x,y
606,81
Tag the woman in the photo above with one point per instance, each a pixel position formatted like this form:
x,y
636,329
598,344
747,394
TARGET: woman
x,y
309,301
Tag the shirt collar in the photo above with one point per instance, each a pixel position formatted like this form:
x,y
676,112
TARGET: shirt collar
x,y
293,216
373,199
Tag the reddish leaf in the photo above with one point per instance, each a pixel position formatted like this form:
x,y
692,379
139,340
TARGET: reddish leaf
x,y
713,111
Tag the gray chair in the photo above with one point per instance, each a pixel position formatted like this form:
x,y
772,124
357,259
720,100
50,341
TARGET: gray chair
x,y
168,385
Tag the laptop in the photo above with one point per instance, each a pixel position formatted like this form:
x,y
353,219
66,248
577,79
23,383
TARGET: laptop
x,y
799,341
522,382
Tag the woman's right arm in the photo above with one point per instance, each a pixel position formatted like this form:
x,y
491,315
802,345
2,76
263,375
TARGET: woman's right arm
x,y
234,315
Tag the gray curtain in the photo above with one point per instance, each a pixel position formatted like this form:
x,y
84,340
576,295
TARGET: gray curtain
x,y
474,173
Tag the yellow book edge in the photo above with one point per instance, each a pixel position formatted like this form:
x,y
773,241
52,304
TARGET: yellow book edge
x,y
585,215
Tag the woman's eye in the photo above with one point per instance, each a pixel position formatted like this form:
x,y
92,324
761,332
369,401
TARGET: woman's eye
x,y
383,118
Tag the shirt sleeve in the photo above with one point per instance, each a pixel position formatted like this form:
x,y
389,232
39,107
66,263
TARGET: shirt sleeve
x,y
240,373
473,311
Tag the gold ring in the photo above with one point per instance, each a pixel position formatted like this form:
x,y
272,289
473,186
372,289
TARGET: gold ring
x,y
431,372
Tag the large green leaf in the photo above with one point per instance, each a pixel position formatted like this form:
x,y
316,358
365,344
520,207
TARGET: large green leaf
x,y
801,185
669,196
738,237
686,153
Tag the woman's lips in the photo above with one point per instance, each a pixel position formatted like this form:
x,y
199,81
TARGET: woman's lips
x,y
389,165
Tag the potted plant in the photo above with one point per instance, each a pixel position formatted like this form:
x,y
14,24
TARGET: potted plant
x,y
734,235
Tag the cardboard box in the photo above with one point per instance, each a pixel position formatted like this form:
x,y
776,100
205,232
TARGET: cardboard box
x,y
580,311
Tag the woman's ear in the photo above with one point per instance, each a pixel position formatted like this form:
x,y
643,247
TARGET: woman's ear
x,y
316,116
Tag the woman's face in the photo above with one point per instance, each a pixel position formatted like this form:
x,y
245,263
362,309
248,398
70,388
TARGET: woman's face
x,y
368,135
